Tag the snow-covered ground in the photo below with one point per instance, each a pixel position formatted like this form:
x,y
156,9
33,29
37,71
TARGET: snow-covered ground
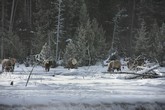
x,y
86,88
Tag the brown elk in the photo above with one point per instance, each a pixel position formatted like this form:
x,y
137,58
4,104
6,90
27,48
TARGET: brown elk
x,y
8,64
133,63
71,63
114,64
47,65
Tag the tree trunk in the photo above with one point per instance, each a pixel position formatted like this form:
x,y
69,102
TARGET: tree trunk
x,y
30,24
2,34
58,28
30,14
114,31
25,10
11,16
132,25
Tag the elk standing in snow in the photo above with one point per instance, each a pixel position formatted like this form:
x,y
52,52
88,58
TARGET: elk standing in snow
x,y
47,64
8,64
114,64
72,63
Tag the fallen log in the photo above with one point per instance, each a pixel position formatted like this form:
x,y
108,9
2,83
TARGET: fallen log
x,y
145,73
146,70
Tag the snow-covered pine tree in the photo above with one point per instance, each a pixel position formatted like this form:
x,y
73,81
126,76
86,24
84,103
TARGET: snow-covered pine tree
x,y
70,51
89,41
94,36
81,42
117,28
141,42
88,34
99,44
83,15
44,16
45,52
153,40
77,49
81,47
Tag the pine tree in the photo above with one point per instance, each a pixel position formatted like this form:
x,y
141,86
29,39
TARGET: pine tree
x,y
89,42
81,37
77,49
83,15
45,52
71,14
80,41
70,51
44,20
141,43
81,48
153,40
119,29
98,41
161,44
85,31
12,40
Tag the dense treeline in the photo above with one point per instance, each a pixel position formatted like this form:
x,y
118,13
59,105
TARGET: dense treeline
x,y
85,29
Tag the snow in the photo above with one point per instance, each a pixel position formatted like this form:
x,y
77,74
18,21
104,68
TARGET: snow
x,y
78,89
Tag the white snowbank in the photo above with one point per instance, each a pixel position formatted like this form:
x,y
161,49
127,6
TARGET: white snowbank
x,y
83,88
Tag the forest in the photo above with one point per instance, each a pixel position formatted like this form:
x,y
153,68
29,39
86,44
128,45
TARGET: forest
x,y
84,29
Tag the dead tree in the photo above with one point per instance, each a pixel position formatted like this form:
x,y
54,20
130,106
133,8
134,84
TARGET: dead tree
x,y
59,27
11,16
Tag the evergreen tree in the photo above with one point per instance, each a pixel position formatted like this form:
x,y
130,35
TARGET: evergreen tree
x,y
161,44
34,22
141,43
153,40
12,40
89,41
45,52
81,36
118,29
93,8
70,51
99,44
77,49
45,23
89,32
81,48
162,34
71,16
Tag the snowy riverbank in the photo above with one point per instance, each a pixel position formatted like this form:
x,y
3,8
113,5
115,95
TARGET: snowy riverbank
x,y
83,88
